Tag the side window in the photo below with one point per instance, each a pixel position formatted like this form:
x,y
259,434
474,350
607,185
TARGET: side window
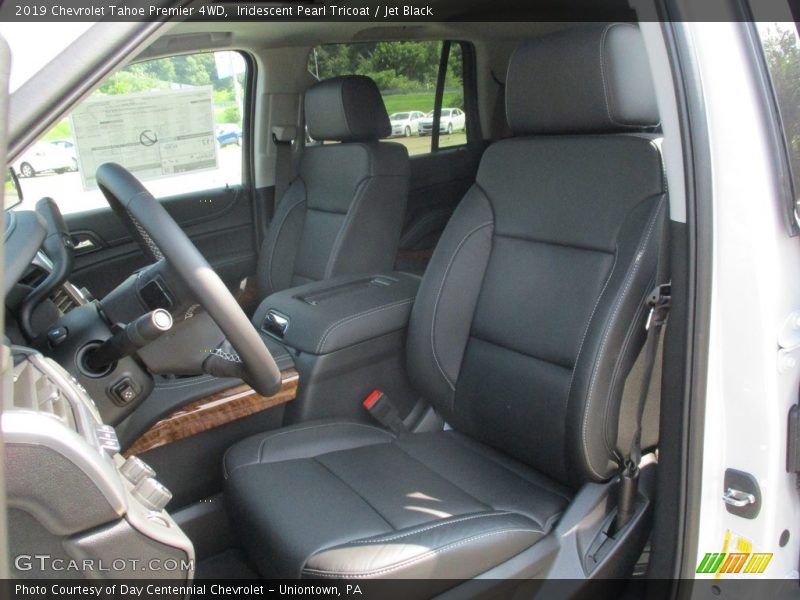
x,y
174,122
453,123
407,74
781,45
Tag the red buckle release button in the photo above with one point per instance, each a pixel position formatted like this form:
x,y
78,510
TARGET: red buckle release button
x,y
370,400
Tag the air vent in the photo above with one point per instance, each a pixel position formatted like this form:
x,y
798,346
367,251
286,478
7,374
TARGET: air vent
x,y
34,392
62,300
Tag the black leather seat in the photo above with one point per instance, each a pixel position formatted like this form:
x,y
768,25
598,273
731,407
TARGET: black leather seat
x,y
524,328
343,212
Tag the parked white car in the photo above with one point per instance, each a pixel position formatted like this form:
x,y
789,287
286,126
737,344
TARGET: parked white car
x,y
406,123
452,119
45,156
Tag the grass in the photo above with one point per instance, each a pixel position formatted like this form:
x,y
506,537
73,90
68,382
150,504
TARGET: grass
x,y
61,130
423,101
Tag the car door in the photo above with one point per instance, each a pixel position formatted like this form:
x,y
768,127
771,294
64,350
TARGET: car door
x,y
159,119
459,120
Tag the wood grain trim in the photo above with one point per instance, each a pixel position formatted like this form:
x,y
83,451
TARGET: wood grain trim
x,y
213,411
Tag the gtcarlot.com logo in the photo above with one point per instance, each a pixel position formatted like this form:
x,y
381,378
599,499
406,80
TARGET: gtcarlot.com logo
x,y
734,562
46,562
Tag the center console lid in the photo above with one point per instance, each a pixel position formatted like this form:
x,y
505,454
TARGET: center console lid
x,y
329,315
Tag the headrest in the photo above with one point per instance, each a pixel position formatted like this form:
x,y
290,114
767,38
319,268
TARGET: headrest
x,y
592,79
346,109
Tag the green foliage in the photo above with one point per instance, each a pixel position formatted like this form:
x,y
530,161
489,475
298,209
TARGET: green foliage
x,y
232,114
223,96
168,73
397,67
405,72
783,55
60,131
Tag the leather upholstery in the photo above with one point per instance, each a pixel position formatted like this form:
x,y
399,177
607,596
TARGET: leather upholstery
x,y
526,322
347,499
593,79
534,297
326,316
343,212
346,109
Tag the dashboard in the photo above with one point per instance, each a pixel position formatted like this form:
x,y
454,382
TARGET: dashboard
x,y
71,494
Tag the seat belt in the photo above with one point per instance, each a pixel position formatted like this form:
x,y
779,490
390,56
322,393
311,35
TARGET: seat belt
x,y
658,302
284,137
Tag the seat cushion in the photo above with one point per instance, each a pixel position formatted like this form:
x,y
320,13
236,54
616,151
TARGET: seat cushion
x,y
345,499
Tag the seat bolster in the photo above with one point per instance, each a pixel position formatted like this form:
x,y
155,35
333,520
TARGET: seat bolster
x,y
276,258
302,441
611,344
447,298
454,548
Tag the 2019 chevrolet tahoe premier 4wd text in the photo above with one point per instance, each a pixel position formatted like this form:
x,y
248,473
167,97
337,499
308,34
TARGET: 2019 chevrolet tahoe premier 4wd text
x,y
540,343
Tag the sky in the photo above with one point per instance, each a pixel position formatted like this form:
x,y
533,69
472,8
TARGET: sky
x,y
33,45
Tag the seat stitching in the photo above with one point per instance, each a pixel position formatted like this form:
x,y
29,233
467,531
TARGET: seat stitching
x,y
352,489
603,73
557,244
510,470
348,219
429,527
272,436
632,328
357,316
439,294
589,322
277,237
628,280
485,339
420,558
321,426
441,476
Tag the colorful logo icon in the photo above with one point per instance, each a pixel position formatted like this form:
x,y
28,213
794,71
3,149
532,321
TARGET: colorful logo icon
x,y
734,562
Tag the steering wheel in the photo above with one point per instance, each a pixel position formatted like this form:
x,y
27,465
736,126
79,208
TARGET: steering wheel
x,y
160,235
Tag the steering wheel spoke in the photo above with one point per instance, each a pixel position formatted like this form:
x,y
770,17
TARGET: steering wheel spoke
x,y
159,234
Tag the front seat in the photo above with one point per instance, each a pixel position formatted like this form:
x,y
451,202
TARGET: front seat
x,y
524,328
343,212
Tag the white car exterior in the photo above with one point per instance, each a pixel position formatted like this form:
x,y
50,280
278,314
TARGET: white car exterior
x,y
45,156
406,123
452,119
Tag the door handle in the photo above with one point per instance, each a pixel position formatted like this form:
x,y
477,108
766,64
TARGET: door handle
x,y
738,498
84,242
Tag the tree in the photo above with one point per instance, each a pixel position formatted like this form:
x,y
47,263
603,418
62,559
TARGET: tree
x,y
783,56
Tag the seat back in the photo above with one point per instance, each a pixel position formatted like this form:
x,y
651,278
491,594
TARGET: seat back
x,y
532,310
343,212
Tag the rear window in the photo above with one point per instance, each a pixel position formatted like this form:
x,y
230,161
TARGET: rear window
x,y
407,74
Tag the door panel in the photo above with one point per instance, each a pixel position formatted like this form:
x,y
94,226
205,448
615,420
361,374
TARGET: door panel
x,y
438,182
219,222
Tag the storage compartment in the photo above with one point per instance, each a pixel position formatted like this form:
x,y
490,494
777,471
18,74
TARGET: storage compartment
x,y
347,338
322,317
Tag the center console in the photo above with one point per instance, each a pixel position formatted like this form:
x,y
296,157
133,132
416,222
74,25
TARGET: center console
x,y
346,336
71,495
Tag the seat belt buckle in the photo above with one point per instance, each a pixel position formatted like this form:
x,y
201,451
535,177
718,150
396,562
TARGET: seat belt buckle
x,y
659,303
284,134
382,410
